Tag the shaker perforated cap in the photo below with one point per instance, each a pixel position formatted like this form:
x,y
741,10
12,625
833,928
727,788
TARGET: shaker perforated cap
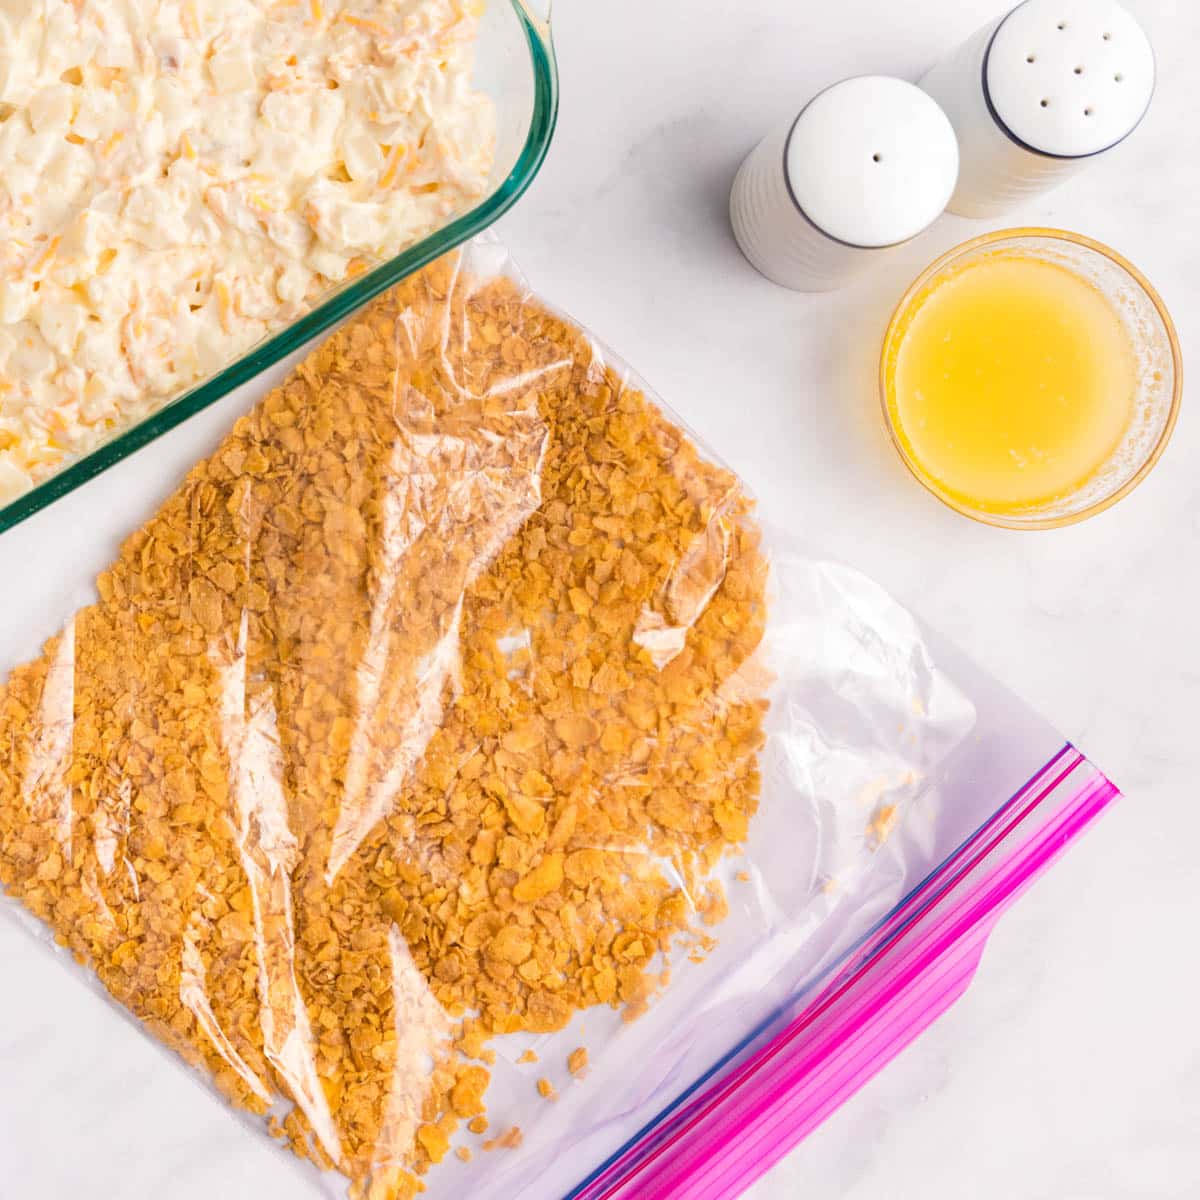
x,y
1069,78
872,161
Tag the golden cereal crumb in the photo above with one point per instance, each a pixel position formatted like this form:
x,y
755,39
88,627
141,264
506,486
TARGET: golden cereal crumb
x,y
883,821
309,847
546,1090
463,1153
509,1140
577,1061
527,1056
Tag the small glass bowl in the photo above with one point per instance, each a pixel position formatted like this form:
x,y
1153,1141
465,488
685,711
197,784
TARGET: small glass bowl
x,y
1160,370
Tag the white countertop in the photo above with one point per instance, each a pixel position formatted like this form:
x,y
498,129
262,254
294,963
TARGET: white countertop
x,y
1071,1070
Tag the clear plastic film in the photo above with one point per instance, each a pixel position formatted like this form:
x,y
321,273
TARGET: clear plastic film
x,y
459,735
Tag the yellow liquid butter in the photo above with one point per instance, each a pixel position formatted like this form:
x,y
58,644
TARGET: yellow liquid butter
x,y
1014,382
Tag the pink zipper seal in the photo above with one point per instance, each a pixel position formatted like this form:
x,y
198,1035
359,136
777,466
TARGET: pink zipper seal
x,y
902,978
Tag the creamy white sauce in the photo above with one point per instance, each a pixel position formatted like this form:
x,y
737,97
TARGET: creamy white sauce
x,y
180,178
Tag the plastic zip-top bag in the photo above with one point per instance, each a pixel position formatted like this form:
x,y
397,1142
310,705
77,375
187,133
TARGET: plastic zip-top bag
x,y
469,783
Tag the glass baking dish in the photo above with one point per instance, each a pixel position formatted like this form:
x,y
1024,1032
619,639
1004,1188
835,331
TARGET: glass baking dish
x,y
516,66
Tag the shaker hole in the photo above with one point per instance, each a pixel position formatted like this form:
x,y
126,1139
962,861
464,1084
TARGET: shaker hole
x,y
1031,58
877,158
1087,112
1119,78
1107,37
1062,25
1078,70
1045,103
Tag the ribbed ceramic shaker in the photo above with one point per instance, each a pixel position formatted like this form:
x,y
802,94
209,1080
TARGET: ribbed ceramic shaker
x,y
869,163
1039,93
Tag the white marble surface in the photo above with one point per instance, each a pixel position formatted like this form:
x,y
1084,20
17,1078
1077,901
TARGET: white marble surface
x,y
1071,1070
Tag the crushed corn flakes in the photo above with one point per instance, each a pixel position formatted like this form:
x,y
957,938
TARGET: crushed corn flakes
x,y
414,718
882,822
509,1140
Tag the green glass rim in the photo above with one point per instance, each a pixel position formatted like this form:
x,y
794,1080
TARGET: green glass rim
x,y
332,310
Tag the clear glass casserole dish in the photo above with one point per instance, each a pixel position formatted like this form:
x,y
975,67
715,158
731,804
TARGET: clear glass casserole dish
x,y
515,65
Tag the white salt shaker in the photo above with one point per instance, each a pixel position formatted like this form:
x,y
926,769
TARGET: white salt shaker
x,y
1039,93
870,162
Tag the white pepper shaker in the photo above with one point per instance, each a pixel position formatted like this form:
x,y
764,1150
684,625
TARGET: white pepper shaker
x,y
869,163
1038,94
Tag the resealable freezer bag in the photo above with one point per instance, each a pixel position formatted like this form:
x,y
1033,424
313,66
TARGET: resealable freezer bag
x,y
468,780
